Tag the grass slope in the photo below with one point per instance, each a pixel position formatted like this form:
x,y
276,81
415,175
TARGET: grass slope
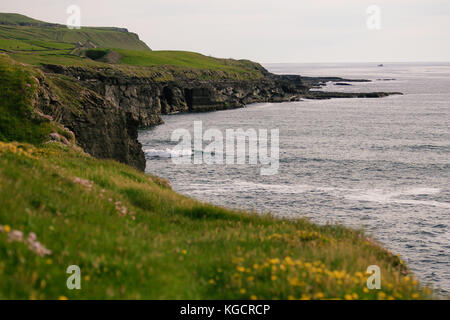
x,y
18,19
18,120
26,30
133,237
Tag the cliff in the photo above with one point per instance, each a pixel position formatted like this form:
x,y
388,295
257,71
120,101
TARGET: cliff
x,y
109,109
111,105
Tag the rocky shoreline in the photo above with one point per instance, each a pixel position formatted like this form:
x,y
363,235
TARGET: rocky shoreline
x,y
106,110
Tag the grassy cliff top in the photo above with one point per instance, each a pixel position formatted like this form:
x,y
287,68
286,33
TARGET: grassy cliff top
x,y
19,19
26,33
133,237
35,42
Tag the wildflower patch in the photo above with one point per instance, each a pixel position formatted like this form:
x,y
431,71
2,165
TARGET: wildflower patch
x,y
30,241
296,279
18,149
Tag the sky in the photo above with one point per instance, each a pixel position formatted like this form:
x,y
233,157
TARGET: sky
x,y
296,31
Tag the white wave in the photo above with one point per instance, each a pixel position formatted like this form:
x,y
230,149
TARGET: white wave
x,y
248,186
384,196
167,153
423,202
371,195
418,191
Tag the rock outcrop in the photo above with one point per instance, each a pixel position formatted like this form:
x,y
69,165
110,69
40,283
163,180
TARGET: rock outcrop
x,y
101,127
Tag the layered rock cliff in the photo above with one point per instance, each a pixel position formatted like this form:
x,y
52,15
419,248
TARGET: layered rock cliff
x,y
106,108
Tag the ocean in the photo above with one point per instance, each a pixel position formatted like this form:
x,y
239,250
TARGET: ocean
x,y
378,164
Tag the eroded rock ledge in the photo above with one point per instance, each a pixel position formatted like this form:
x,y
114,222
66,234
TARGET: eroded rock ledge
x,y
106,109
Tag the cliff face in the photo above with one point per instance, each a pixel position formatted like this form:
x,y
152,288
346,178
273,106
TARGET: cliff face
x,y
110,108
102,128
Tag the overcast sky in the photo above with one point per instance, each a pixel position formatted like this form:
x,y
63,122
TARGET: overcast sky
x,y
270,31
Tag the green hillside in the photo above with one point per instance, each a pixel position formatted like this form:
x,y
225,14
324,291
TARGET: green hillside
x,y
27,31
36,42
133,237
18,19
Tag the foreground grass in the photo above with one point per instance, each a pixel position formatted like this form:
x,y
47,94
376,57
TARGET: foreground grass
x,y
133,237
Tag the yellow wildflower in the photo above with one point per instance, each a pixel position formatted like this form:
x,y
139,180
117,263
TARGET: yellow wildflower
x,y
320,295
293,281
381,295
348,297
274,261
63,298
7,228
289,261
240,268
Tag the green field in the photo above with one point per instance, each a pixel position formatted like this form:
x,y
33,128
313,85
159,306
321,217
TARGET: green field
x,y
186,59
135,238
11,27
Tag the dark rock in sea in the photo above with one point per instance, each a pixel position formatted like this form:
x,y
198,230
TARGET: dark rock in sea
x,y
342,84
329,95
